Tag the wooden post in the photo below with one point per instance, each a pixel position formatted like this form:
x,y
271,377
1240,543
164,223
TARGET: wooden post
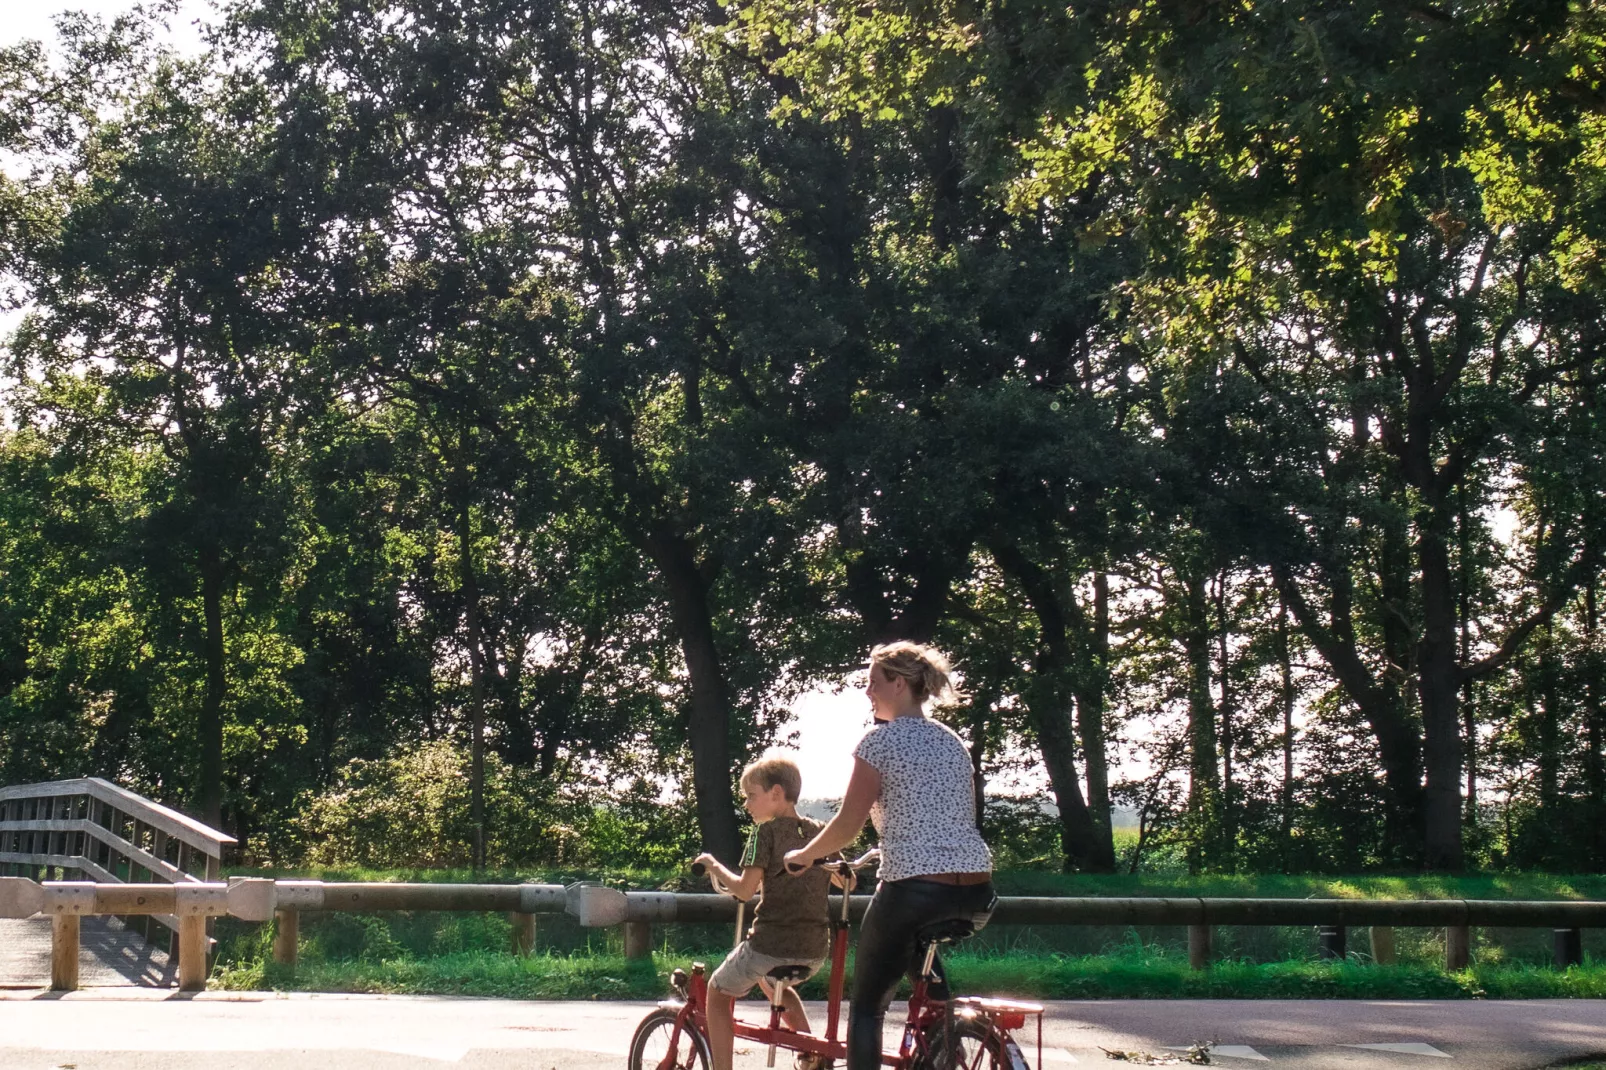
x,y
1199,947
1457,947
1569,947
192,953
638,939
523,932
1331,942
1383,945
286,936
64,952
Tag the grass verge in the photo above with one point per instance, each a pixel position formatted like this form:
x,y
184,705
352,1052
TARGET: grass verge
x,y
479,973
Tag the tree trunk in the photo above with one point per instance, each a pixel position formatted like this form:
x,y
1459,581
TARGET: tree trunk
x,y
1085,844
476,703
1439,687
1285,665
1594,761
211,722
1381,704
1549,701
1203,783
1229,833
1092,683
708,721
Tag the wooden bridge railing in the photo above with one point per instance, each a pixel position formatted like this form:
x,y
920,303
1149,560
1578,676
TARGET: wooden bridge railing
x,y
91,829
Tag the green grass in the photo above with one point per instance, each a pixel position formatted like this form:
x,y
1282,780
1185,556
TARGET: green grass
x,y
1120,976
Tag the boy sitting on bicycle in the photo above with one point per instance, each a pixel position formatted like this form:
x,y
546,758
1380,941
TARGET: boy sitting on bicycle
x,y
791,927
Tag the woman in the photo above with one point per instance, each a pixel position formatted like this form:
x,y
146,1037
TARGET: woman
x,y
913,777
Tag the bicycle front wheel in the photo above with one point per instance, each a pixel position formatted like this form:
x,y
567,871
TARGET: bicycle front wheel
x,y
656,1046
977,1046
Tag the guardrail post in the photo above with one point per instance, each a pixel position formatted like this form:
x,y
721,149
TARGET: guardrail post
x,y
1331,942
1199,947
1569,948
192,953
286,936
1457,947
638,939
64,952
523,932
1383,945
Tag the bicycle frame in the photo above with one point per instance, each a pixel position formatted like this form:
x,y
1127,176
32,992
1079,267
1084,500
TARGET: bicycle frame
x,y
924,1012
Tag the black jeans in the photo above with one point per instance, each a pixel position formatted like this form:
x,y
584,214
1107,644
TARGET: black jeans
x,y
887,951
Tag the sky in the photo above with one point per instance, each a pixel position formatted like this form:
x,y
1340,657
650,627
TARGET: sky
x,y
826,722
25,20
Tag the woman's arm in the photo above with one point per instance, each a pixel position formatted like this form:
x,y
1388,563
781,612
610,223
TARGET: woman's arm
x,y
864,788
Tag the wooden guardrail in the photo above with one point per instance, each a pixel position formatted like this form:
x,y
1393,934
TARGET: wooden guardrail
x,y
191,904
92,829
592,905
637,912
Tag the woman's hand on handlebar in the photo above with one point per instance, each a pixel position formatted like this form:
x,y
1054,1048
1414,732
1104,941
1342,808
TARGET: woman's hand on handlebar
x,y
797,861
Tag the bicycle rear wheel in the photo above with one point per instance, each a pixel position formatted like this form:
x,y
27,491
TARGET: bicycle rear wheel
x,y
977,1046
649,1048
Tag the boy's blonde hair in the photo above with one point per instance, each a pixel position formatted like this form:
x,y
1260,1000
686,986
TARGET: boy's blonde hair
x,y
924,668
766,773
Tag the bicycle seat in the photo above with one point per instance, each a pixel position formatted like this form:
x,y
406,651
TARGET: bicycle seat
x,y
947,932
790,974
953,930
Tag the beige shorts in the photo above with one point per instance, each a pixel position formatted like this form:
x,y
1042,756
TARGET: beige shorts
x,y
743,968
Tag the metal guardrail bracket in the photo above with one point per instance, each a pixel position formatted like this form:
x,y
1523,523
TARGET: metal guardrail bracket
x,y
596,906
20,897
252,898
70,897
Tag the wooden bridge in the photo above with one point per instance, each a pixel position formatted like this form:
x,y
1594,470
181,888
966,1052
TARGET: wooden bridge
x,y
92,830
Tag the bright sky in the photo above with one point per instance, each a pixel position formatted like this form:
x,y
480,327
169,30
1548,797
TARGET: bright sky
x,y
23,21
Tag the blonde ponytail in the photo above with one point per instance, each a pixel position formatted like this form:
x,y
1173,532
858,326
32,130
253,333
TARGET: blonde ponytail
x,y
924,668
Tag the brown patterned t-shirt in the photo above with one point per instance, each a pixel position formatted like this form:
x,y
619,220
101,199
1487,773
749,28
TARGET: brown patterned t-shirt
x,y
793,920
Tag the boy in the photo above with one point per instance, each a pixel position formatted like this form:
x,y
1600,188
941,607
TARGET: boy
x,y
792,925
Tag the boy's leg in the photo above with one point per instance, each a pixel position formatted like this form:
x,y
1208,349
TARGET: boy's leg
x,y
721,1037
797,1019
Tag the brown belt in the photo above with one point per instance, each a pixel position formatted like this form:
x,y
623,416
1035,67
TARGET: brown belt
x,y
961,879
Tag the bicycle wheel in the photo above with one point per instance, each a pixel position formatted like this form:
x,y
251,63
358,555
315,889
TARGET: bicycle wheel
x,y
650,1046
977,1046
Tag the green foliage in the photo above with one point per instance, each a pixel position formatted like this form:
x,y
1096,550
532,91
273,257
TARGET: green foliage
x,y
1218,382
411,810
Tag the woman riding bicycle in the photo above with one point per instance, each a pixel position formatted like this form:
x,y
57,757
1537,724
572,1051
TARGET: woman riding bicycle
x,y
912,776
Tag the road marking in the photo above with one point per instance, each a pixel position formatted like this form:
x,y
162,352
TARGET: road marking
x,y
1404,1049
1059,1055
1231,1051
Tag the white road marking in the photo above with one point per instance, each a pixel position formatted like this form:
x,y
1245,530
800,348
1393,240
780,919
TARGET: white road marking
x,y
1057,1055
1231,1051
1404,1049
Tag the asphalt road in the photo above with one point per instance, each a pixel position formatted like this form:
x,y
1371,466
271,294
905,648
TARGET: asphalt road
x,y
146,1029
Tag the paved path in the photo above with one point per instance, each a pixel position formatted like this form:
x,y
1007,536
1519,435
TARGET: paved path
x,y
108,954
132,1029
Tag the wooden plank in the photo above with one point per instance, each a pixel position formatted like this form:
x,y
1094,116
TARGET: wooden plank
x,y
286,936
157,866
1383,952
523,932
153,814
1457,947
64,952
192,953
